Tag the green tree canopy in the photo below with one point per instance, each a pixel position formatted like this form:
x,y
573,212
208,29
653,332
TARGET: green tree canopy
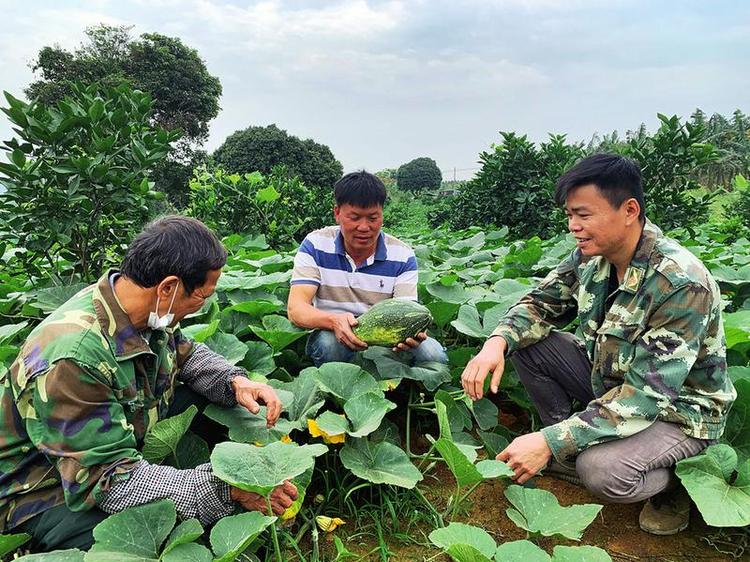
x,y
185,95
259,149
420,173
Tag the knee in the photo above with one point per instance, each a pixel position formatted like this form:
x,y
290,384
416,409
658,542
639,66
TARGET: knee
x,y
323,347
430,350
606,477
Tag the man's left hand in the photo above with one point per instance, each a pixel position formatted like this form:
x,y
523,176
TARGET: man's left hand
x,y
251,394
526,455
411,343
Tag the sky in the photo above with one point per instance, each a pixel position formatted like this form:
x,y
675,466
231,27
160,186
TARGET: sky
x,y
383,82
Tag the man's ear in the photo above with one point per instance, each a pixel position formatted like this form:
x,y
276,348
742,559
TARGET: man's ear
x,y
166,288
336,213
632,211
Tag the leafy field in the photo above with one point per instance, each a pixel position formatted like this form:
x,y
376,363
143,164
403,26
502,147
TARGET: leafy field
x,y
397,452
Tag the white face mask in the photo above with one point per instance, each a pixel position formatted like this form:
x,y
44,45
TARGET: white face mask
x,y
156,322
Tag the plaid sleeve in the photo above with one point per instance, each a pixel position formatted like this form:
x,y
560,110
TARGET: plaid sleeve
x,y
210,375
197,493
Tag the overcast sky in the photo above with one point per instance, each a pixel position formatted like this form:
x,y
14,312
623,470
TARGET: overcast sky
x,y
382,82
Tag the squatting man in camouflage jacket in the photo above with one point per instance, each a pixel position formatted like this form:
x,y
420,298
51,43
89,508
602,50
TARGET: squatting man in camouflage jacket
x,y
644,384
94,376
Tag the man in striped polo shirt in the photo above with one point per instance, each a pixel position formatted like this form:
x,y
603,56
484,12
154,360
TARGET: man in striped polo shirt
x,y
341,271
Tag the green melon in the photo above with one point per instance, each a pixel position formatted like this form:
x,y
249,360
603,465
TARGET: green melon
x,y
392,321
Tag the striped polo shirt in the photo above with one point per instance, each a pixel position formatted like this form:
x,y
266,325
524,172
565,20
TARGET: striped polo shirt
x,y
391,272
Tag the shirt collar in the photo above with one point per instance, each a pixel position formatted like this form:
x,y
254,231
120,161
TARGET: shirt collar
x,y
124,339
381,252
636,271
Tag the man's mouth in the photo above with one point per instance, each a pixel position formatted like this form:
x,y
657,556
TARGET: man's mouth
x,y
580,240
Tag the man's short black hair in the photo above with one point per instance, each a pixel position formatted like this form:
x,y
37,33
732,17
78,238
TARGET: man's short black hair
x,y
173,245
618,179
361,189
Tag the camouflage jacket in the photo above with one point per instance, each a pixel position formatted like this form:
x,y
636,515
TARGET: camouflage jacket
x,y
658,353
77,402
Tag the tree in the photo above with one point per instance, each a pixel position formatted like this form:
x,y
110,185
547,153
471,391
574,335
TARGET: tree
x,y
77,180
420,173
260,149
185,95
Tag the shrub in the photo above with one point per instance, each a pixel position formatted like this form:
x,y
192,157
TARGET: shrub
x,y
78,177
278,205
420,173
515,187
738,209
259,149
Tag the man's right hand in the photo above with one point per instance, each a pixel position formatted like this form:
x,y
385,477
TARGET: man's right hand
x,y
282,498
342,325
491,359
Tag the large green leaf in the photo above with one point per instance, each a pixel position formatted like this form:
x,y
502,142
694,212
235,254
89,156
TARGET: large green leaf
x,y
491,468
379,463
520,551
392,365
67,555
200,332
460,533
455,293
138,531
51,298
485,412
278,332
9,331
232,535
261,469
228,346
246,427
708,479
185,532
332,424
737,431
538,512
162,440
442,312
259,358
344,380
366,411
9,543
493,442
456,411
191,451
307,397
466,553
188,552
255,309
459,464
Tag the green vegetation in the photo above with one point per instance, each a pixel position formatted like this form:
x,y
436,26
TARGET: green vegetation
x,y
419,174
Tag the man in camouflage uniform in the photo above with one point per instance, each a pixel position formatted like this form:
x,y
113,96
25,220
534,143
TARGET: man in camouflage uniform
x,y
650,370
97,374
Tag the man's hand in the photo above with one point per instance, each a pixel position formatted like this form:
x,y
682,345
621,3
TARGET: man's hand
x,y
526,455
490,359
282,497
342,329
411,343
251,394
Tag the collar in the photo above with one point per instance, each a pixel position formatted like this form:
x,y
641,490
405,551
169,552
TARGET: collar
x,y
381,253
124,340
636,271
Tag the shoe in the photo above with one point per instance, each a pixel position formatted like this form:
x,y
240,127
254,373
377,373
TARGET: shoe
x,y
667,513
563,471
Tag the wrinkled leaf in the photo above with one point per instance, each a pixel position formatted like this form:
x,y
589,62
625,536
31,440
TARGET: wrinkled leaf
x,y
50,299
228,346
232,535
344,380
189,552
259,358
460,533
737,432
67,555
185,532
162,440
246,427
580,554
379,463
392,365
365,412
278,332
307,397
538,512
463,470
521,551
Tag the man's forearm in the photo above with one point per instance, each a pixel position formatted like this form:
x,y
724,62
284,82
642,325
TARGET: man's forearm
x,y
197,493
308,317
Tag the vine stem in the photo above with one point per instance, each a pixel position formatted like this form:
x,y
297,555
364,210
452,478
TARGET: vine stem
x,y
274,534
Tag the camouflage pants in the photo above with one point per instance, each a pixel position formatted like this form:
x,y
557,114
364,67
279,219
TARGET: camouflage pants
x,y
556,373
59,527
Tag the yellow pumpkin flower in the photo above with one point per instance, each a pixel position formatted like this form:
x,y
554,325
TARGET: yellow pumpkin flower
x,y
328,524
315,431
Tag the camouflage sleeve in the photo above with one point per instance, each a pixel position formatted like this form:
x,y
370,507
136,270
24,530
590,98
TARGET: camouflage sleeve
x,y
210,375
551,304
74,418
656,364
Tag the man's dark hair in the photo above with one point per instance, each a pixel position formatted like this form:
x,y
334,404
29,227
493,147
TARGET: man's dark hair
x,y
617,178
173,245
361,189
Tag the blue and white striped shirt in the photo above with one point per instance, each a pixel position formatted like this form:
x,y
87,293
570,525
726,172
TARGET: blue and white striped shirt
x,y
391,272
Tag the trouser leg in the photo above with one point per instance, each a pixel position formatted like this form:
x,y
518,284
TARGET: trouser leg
x,y
429,350
323,347
554,372
637,467
59,528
